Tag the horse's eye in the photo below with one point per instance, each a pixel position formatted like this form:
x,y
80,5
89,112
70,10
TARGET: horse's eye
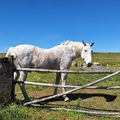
x,y
85,50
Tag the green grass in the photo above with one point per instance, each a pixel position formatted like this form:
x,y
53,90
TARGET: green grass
x,y
85,99
107,58
14,112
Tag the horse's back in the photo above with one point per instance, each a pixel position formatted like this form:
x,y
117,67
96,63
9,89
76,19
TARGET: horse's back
x,y
33,56
24,48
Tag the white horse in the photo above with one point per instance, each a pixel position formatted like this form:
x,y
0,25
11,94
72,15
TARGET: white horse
x,y
58,58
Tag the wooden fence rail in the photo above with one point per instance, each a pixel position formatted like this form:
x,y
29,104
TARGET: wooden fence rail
x,y
64,71
67,86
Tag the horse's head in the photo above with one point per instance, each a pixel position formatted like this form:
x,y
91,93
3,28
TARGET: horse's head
x,y
86,53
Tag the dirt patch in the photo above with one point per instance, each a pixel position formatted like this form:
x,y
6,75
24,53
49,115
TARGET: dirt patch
x,y
90,96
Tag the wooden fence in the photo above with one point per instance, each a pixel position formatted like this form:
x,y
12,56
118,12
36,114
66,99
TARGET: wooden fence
x,y
75,88
69,72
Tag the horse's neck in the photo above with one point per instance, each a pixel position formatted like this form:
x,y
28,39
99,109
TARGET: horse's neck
x,y
78,49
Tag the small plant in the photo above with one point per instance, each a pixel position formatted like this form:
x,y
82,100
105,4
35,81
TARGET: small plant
x,y
54,118
78,103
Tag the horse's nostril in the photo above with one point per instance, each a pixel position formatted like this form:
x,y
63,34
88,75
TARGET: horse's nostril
x,y
89,64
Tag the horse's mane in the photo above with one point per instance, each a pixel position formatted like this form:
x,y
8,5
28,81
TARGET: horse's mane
x,y
66,42
69,42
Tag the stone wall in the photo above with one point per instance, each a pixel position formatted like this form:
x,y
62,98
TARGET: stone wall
x,y
80,64
5,80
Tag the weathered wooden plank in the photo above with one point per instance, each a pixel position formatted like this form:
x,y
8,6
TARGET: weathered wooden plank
x,y
64,71
67,86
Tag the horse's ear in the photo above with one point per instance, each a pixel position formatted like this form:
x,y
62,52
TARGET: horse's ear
x,y
92,44
84,43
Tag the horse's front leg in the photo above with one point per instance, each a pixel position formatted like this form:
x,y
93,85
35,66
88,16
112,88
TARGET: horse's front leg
x,y
23,76
58,76
64,81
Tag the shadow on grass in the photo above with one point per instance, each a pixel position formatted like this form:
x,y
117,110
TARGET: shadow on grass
x,y
109,98
75,96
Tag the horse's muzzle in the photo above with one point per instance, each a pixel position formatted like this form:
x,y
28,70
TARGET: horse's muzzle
x,y
89,64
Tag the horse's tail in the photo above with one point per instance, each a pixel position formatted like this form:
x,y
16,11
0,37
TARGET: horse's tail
x,y
10,52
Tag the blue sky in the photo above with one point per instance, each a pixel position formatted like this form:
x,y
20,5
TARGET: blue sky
x,y
47,23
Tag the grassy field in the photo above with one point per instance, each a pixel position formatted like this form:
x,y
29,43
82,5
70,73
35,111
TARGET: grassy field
x,y
85,99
